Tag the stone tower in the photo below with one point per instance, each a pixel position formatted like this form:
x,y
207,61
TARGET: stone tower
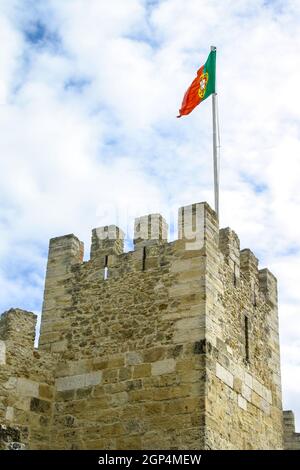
x,y
169,346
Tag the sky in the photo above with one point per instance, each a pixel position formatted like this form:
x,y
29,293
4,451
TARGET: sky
x,y
89,93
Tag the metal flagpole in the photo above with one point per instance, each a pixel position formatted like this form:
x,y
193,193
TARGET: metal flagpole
x,y
215,147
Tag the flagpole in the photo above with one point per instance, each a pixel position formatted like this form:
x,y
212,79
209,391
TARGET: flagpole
x,y
215,147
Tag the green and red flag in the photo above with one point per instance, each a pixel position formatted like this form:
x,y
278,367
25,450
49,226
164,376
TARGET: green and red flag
x,y
202,86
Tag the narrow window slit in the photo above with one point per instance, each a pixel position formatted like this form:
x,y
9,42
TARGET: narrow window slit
x,y
105,274
234,275
254,298
144,259
246,331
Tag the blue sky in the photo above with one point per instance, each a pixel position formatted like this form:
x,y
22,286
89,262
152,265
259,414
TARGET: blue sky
x,y
89,92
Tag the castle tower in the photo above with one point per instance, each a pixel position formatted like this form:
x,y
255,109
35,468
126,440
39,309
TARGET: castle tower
x,y
291,437
173,345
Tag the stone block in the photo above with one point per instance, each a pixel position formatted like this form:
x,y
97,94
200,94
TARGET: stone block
x,y
237,385
242,402
141,370
40,406
11,383
45,391
188,329
119,399
257,387
133,385
256,399
78,381
23,403
133,358
184,288
154,354
110,376
246,392
224,375
163,367
117,361
125,373
2,352
268,397
93,378
266,394
248,380
70,383
27,387
9,414
265,406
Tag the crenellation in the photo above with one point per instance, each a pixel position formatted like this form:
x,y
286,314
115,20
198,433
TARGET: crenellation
x,y
148,348
150,230
191,225
64,251
107,240
249,265
268,286
17,327
229,245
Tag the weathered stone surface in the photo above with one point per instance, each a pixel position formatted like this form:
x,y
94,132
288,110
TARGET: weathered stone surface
x,y
133,358
78,381
291,438
188,329
27,387
242,402
224,375
40,406
246,392
45,391
2,353
163,367
9,415
177,347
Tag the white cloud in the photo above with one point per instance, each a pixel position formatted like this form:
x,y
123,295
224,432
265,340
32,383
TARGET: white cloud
x,y
88,130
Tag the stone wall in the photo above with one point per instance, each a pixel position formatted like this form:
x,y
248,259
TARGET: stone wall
x,y
26,384
291,438
169,346
243,388
130,373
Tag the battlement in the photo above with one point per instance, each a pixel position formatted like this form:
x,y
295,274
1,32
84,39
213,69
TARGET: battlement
x,y
108,239
198,231
197,227
18,326
25,378
174,343
149,230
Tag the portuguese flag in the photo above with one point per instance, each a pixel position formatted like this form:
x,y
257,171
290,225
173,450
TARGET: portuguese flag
x,y
202,86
